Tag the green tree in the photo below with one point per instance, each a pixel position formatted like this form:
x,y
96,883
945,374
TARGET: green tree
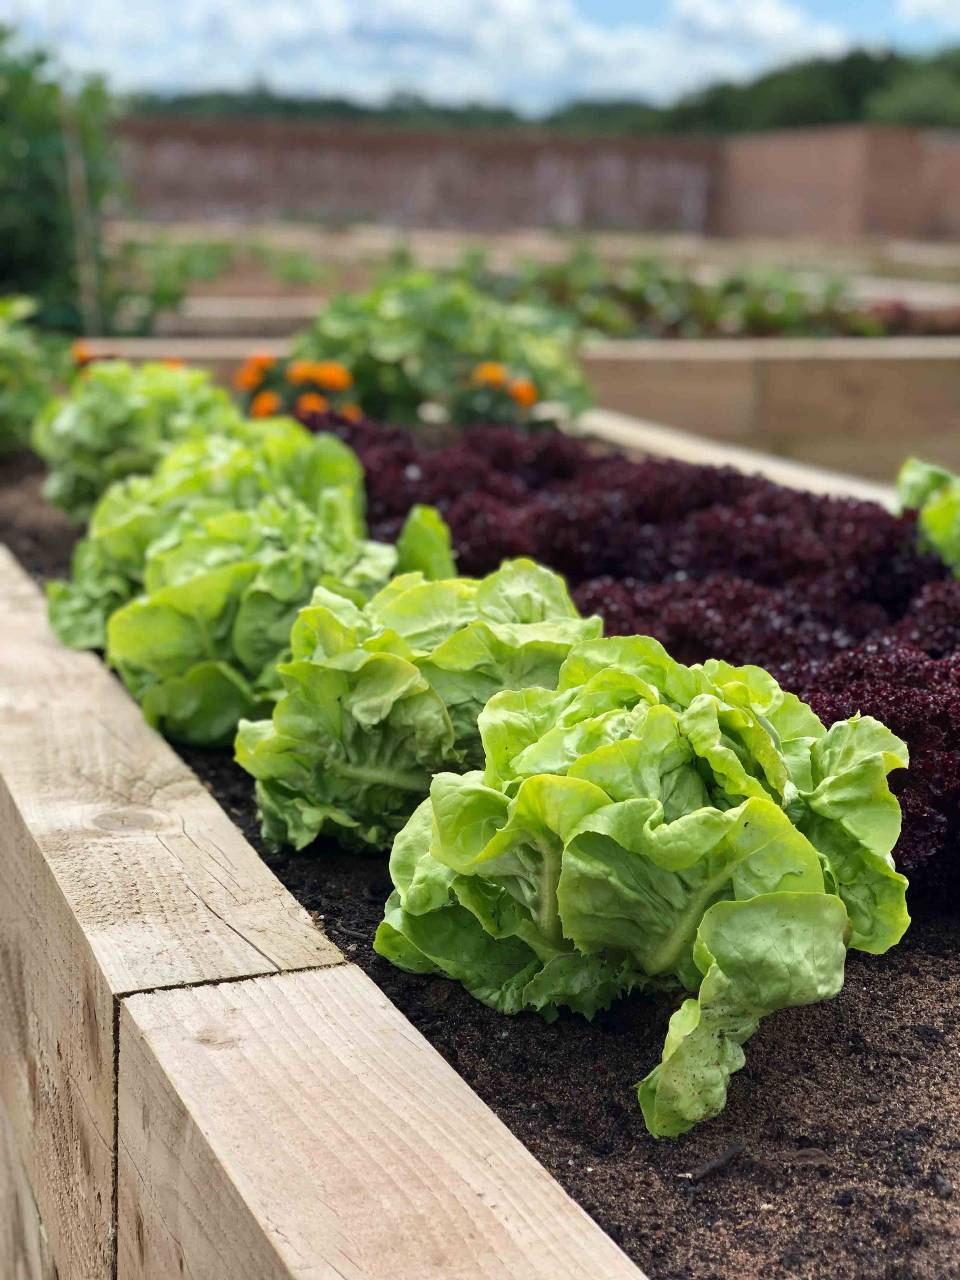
x,y
928,96
55,171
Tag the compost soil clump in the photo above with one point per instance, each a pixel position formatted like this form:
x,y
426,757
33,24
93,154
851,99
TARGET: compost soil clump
x,y
838,1154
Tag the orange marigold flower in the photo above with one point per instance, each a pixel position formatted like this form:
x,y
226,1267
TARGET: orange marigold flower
x,y
300,371
248,377
331,375
264,404
81,352
523,392
311,402
352,412
489,373
172,363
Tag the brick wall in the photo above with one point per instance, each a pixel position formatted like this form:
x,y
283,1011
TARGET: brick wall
x,y
188,169
833,183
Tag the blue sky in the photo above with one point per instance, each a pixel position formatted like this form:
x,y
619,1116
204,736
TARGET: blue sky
x,y
531,53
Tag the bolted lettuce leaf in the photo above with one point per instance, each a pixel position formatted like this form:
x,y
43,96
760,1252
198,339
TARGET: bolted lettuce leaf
x,y
199,478
200,647
378,698
645,822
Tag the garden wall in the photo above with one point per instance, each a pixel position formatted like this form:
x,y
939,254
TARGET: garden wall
x,y
255,169
836,183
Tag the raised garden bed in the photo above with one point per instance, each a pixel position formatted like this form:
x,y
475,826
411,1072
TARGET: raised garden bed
x,y
270,1121
846,404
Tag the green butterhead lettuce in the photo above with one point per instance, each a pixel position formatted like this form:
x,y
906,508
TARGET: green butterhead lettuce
x,y
378,698
934,493
696,828
119,420
199,478
199,649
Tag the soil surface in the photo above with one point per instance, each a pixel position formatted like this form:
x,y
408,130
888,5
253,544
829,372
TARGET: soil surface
x,y
838,1156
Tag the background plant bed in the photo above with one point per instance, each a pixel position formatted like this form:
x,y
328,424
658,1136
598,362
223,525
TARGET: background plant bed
x,y
842,403
845,1117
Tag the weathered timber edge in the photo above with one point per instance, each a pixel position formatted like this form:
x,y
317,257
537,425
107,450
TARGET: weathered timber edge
x,y
193,1080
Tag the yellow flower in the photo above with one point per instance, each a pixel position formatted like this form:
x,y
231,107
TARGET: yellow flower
x,y
523,392
489,373
311,402
264,404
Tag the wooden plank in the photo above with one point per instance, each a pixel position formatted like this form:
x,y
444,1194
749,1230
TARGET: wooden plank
x,y
720,400
635,435
118,873
298,1126
24,1252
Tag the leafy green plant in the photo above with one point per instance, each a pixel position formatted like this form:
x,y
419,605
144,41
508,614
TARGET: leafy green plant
x,y
144,279
198,650
648,823
378,698
56,169
934,493
30,368
654,298
416,338
119,420
202,477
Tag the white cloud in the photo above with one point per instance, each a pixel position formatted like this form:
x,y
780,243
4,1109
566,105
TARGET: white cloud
x,y
532,53
945,12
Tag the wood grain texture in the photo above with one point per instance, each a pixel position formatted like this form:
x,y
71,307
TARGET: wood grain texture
x,y
298,1126
717,398
24,1252
166,888
56,1054
118,873
638,436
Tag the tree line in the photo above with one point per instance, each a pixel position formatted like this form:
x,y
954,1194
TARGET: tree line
x,y
860,87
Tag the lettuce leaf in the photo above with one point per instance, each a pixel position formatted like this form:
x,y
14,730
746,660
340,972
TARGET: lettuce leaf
x,y
119,420
696,828
378,698
200,478
934,493
200,648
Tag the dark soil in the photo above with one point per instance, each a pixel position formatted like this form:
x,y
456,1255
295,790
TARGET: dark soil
x,y
40,536
838,1155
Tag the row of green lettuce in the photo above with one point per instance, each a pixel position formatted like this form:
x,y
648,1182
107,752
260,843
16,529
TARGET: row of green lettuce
x,y
572,817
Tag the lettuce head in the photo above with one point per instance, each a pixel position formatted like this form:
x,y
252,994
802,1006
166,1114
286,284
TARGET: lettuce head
x,y
378,697
119,420
934,493
199,648
696,828
201,477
